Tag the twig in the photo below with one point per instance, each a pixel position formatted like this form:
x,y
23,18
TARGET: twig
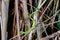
x,y
17,16
45,9
53,15
51,36
25,13
35,29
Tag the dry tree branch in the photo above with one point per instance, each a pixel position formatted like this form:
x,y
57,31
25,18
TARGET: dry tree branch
x,y
51,36
35,17
39,35
17,17
0,10
36,29
25,13
5,5
30,1
45,9
55,10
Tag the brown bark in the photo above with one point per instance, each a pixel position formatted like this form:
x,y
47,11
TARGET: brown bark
x,y
25,13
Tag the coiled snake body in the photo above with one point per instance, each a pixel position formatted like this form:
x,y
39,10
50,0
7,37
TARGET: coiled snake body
x,y
33,20
33,25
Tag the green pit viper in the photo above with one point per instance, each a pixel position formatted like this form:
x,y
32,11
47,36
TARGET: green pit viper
x,y
33,25
33,20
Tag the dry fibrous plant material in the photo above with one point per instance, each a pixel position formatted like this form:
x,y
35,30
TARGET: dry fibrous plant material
x,y
4,19
25,13
0,11
52,36
45,19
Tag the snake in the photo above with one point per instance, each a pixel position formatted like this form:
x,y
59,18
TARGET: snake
x,y
33,25
33,20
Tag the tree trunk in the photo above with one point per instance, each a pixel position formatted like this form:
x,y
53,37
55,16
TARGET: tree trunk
x,y
5,5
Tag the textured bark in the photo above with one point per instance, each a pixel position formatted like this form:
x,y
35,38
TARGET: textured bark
x,y
0,18
5,5
25,13
17,19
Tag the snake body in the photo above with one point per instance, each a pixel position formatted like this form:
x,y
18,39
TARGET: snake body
x,y
33,20
33,25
